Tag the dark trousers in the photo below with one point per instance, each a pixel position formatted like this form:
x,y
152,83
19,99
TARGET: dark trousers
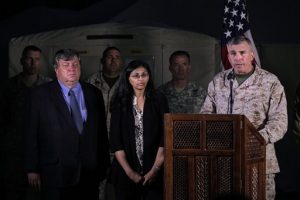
x,y
86,189
13,178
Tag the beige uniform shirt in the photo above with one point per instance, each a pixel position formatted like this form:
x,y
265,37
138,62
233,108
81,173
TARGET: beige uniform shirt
x,y
107,92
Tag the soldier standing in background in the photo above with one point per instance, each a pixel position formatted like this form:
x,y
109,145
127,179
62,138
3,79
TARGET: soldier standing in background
x,y
107,81
12,102
184,96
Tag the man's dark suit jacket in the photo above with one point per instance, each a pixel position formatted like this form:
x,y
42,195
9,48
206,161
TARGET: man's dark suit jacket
x,y
53,146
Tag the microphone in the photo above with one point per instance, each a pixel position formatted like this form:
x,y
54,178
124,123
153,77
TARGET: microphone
x,y
231,75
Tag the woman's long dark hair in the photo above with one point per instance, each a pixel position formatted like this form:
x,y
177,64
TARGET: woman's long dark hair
x,y
124,93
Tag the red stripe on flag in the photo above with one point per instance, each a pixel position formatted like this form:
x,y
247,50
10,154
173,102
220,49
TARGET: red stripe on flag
x,y
225,62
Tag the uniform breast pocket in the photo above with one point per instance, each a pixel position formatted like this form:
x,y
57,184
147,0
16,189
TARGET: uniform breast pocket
x,y
255,109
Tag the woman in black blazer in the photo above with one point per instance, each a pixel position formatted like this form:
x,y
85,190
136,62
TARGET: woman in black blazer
x,y
137,135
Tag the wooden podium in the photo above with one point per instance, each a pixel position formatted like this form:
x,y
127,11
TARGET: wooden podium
x,y
211,155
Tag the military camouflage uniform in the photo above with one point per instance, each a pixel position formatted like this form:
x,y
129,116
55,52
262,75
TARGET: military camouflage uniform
x,y
296,128
12,103
98,81
189,100
261,98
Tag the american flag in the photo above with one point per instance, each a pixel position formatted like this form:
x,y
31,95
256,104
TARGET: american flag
x,y
235,22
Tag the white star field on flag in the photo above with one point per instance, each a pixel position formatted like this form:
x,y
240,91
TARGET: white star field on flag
x,y
235,23
235,19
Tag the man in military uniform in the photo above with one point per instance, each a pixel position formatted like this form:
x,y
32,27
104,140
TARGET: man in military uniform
x,y
107,81
184,96
12,103
256,93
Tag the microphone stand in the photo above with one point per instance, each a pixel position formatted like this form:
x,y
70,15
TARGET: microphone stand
x,y
231,96
230,77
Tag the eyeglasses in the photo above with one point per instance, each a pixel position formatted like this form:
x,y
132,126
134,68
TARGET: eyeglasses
x,y
138,76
